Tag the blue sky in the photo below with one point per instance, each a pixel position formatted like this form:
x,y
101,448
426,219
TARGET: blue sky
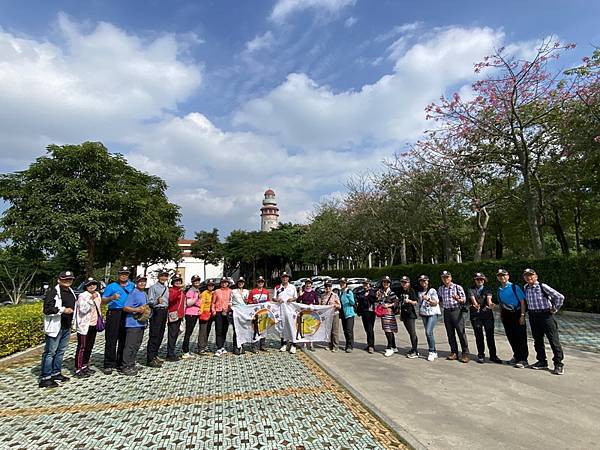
x,y
226,98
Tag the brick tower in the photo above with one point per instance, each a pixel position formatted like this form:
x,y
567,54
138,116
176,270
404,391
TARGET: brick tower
x,y
269,213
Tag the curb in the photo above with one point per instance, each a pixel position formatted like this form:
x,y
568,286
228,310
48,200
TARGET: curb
x,y
20,355
404,435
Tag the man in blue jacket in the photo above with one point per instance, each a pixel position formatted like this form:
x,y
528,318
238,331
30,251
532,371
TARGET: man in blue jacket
x,y
347,313
512,303
115,295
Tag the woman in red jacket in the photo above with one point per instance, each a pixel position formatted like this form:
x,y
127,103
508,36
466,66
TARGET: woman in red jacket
x,y
175,315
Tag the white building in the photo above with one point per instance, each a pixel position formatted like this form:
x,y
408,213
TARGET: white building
x,y
186,267
269,213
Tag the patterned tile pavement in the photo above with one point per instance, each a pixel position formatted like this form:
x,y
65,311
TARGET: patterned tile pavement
x,y
269,400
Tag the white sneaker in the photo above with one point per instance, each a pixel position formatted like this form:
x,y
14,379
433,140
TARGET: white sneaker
x,y
388,352
223,351
435,355
431,356
187,356
219,352
283,348
396,350
293,349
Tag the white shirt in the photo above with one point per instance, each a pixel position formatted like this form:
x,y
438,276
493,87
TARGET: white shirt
x,y
426,309
283,294
239,297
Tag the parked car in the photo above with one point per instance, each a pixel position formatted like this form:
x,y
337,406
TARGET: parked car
x,y
299,282
353,283
80,288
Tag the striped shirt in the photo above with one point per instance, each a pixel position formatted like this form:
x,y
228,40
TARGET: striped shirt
x,y
538,300
445,293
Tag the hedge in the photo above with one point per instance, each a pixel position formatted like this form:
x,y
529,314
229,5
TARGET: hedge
x,y
578,277
21,327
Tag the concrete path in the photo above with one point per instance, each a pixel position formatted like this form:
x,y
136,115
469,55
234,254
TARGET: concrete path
x,y
447,404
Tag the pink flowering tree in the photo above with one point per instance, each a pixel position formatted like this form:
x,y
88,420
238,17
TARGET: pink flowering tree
x,y
505,126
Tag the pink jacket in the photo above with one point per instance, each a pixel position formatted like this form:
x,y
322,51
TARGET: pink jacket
x,y
192,302
86,314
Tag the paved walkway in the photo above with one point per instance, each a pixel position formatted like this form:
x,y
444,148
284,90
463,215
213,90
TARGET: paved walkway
x,y
446,404
261,401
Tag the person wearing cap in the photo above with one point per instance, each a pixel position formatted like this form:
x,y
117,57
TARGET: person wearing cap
x,y
87,313
482,318
347,313
192,308
239,297
512,313
59,304
308,297
285,293
453,301
366,299
330,298
408,314
429,310
175,313
388,300
115,295
134,306
259,294
205,317
221,303
158,299
542,303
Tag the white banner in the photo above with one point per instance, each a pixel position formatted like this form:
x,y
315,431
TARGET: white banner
x,y
291,321
254,322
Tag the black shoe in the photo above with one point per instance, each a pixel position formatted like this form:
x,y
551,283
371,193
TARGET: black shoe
x,y
480,359
129,372
49,383
173,358
60,378
90,371
539,366
107,370
496,360
82,374
154,363
263,349
559,369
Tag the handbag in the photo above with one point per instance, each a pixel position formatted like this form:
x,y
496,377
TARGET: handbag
x,y
173,316
380,310
100,322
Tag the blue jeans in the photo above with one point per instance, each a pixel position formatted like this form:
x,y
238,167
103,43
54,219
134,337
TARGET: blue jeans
x,y
54,351
430,322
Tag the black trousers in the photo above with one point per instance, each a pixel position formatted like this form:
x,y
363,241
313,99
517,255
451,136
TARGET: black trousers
x,y
544,324
133,341
348,327
204,327
85,344
455,325
480,325
410,325
190,324
158,323
391,339
515,333
222,325
114,335
368,320
172,335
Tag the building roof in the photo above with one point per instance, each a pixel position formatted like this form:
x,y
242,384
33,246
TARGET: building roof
x,y
269,192
185,241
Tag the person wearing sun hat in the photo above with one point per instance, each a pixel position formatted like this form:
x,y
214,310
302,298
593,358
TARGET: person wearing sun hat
x,y
205,317
259,294
221,303
175,314
239,297
285,293
158,299
453,299
135,308
543,302
192,307
408,314
87,312
59,304
430,312
390,302
512,313
367,299
115,295
482,318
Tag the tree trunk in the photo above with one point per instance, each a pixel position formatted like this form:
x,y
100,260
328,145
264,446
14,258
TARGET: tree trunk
x,y
531,203
577,229
560,232
482,224
403,251
446,238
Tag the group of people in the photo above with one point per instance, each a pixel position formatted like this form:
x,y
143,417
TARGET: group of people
x,y
131,308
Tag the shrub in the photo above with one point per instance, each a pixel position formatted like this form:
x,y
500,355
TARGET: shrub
x,y
21,327
575,277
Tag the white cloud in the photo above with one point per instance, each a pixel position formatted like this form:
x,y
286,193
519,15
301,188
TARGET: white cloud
x,y
284,8
260,42
301,113
399,29
350,21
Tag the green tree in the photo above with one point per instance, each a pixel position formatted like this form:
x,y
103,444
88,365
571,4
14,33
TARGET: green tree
x,y
81,197
208,248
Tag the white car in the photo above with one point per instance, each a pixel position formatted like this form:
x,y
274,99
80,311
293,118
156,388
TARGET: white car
x,y
299,282
353,283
